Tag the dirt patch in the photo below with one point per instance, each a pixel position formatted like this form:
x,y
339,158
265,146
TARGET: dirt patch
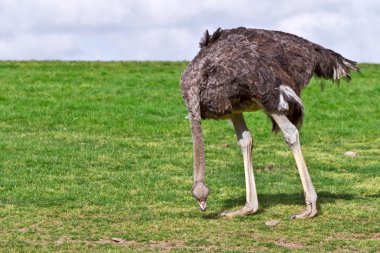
x,y
62,239
161,246
375,237
165,246
23,230
369,208
288,244
168,245
354,237
104,241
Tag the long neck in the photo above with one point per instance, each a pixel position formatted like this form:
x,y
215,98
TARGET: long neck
x,y
198,146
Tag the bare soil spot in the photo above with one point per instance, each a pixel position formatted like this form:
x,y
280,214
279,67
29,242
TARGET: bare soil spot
x,y
161,246
354,237
375,237
288,244
23,230
62,239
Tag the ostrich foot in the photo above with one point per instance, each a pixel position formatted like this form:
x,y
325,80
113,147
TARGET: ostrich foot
x,y
310,211
246,210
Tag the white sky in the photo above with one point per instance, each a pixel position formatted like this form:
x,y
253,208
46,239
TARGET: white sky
x,y
171,29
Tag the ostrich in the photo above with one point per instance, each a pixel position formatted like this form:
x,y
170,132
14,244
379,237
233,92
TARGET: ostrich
x,y
245,70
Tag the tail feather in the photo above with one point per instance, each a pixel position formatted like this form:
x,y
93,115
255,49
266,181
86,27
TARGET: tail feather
x,y
331,65
208,39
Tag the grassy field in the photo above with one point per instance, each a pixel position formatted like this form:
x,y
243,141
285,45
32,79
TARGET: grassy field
x,y
91,151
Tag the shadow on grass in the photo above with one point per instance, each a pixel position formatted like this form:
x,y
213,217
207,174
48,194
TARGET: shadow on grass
x,y
374,195
267,200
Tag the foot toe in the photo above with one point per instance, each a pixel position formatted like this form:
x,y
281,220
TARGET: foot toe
x,y
241,212
304,215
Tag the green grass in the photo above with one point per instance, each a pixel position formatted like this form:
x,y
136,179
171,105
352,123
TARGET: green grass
x,y
90,151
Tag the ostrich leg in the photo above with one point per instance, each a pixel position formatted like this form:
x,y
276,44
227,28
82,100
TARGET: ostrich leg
x,y
292,139
245,141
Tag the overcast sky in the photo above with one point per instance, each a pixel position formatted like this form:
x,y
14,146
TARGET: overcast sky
x,y
171,29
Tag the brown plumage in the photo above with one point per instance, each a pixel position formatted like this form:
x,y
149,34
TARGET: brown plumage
x,y
242,69
239,70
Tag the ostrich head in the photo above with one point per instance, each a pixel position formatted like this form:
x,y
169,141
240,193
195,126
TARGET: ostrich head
x,y
200,192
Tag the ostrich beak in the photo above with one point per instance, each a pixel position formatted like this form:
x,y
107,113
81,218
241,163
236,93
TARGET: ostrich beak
x,y
202,205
